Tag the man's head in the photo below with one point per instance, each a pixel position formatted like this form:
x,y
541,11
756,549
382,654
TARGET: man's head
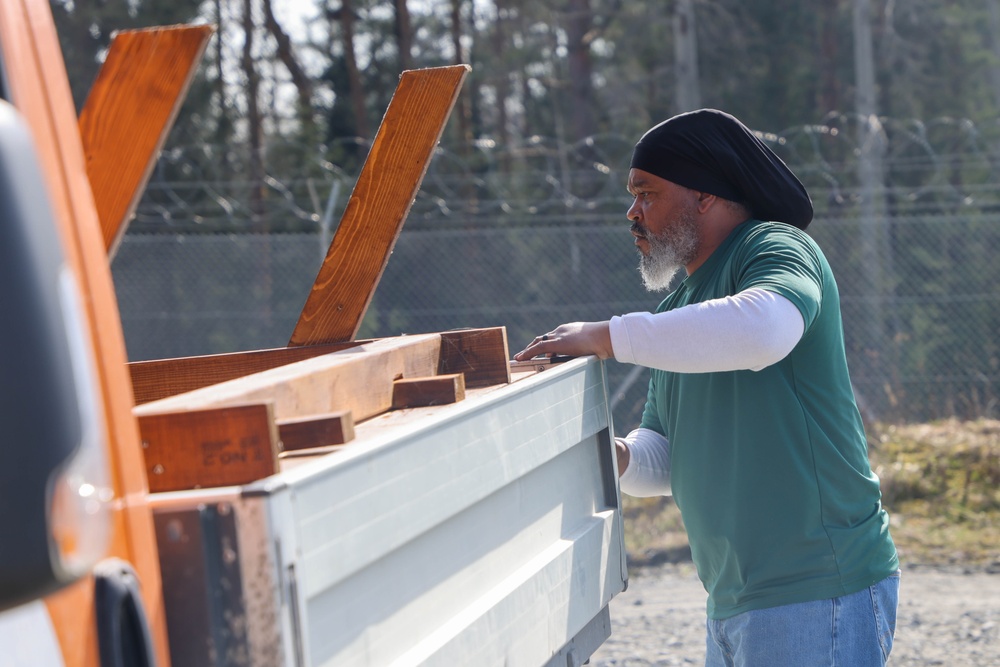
x,y
712,152
694,178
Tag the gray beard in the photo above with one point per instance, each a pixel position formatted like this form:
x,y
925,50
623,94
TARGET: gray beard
x,y
668,253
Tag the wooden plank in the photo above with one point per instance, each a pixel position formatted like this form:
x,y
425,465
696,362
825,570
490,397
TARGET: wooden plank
x,y
379,204
358,379
481,355
160,378
424,392
336,428
129,112
207,448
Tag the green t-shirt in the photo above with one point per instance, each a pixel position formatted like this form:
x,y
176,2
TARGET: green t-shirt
x,y
770,468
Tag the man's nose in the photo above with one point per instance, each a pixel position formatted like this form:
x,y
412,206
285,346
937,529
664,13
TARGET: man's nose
x,y
633,212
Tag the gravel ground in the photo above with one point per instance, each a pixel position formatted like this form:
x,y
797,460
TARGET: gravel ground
x,y
946,617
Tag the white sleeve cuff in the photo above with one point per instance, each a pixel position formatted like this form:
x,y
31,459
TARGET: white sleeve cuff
x,y
648,471
748,331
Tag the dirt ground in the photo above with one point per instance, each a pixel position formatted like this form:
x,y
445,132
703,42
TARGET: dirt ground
x,y
946,617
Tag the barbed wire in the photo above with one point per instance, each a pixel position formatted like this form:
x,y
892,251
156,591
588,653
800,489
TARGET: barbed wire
x,y
917,287
927,166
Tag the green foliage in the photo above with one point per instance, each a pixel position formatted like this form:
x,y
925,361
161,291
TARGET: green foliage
x,y
775,63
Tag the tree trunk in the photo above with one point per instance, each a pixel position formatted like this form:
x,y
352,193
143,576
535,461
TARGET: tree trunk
x,y
829,88
875,251
255,130
579,27
462,106
686,57
224,126
502,84
994,23
353,74
404,35
301,80
255,135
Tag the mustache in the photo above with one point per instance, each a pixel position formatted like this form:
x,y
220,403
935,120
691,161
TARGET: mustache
x,y
638,229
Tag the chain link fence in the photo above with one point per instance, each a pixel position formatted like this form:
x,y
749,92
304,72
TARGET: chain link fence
x,y
536,236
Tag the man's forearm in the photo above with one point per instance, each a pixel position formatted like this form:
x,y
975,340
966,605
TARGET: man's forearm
x,y
647,467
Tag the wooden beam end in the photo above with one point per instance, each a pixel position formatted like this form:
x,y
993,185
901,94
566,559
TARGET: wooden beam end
x,y
225,446
336,428
425,392
482,355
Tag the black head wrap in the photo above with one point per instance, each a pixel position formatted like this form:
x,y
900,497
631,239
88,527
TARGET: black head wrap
x,y
711,151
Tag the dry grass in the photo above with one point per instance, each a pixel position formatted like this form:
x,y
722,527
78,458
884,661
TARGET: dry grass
x,y
654,532
940,484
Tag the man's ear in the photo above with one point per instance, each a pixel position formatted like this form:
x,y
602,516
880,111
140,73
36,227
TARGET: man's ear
x,y
706,201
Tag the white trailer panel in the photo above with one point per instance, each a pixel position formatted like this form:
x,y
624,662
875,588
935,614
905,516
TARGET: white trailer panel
x,y
487,532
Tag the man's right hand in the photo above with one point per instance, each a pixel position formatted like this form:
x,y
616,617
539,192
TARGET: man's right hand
x,y
576,339
622,454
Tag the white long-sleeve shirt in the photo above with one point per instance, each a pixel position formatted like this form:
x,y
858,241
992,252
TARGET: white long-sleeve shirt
x,y
748,331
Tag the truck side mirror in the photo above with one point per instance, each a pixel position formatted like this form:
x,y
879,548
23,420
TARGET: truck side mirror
x,y
54,494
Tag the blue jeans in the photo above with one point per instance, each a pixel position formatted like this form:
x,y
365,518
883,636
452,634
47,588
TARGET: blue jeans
x,y
854,630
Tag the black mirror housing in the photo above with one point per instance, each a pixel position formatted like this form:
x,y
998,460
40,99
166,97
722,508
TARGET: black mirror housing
x,y
39,406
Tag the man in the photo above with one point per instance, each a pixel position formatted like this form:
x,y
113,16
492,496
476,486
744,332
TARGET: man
x,y
750,419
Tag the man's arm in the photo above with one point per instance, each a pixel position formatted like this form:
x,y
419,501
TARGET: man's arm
x,y
748,331
751,330
647,463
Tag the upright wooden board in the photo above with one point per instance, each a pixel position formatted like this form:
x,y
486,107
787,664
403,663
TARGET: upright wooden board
x,y
160,378
129,111
382,197
481,355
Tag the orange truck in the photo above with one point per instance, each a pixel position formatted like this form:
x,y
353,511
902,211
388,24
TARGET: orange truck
x,y
409,500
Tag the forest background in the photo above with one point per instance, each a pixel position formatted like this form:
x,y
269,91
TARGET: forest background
x,y
886,110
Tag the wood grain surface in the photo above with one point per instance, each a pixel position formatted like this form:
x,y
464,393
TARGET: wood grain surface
x,y
129,112
424,392
335,428
358,379
160,378
207,448
481,355
379,204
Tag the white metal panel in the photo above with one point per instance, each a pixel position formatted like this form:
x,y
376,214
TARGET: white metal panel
x,y
355,507
483,530
28,638
486,532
